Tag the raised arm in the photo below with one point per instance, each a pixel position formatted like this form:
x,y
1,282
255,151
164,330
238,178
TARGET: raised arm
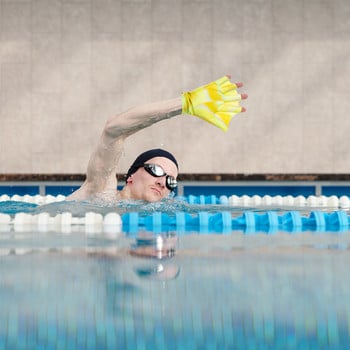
x,y
104,159
215,103
103,163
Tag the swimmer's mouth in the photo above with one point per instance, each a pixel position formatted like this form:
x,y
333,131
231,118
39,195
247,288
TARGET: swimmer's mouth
x,y
156,190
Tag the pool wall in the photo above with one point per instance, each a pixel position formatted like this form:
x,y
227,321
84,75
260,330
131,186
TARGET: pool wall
x,y
69,65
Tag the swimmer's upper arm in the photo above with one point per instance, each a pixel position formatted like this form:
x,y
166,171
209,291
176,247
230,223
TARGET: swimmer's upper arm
x,y
105,157
103,163
102,166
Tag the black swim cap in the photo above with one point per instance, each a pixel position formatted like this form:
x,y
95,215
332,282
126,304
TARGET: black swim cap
x,y
145,156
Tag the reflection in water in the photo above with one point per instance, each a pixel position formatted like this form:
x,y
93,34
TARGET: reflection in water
x,y
233,292
156,246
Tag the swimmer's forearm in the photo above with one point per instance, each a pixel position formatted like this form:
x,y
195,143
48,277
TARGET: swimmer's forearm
x,y
137,118
103,162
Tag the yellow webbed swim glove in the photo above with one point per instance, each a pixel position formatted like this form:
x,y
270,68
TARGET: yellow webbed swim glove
x,y
216,102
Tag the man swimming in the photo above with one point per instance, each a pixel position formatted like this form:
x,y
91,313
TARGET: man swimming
x,y
153,174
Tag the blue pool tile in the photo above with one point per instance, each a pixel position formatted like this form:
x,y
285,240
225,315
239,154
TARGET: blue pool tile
x,y
60,190
19,190
249,190
3,343
336,191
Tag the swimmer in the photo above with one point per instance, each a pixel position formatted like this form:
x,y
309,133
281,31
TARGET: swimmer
x,y
152,176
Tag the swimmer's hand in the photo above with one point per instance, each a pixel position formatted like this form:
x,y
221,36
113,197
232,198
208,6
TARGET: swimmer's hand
x,y
216,102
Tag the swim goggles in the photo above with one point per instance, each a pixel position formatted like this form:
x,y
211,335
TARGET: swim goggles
x,y
157,171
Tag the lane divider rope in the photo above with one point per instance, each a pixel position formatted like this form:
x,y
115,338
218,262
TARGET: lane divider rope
x,y
202,222
342,202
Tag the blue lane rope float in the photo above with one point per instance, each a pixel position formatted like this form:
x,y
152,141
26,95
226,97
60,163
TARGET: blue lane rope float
x,y
202,221
319,214
249,222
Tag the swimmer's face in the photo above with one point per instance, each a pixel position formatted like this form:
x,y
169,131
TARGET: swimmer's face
x,y
144,186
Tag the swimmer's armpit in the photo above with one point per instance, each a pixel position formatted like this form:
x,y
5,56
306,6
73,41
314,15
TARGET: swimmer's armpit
x,y
216,102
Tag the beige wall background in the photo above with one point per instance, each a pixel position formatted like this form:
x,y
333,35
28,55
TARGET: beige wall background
x,y
68,65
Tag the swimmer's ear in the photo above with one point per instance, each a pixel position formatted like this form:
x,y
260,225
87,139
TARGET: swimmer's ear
x,y
129,179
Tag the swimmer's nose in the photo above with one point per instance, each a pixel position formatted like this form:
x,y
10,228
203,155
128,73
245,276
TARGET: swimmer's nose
x,y
161,181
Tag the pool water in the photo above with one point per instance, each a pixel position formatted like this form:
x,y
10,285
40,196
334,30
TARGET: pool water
x,y
214,291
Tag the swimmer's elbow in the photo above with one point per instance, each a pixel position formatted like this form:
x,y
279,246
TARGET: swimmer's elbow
x,y
114,128
122,126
